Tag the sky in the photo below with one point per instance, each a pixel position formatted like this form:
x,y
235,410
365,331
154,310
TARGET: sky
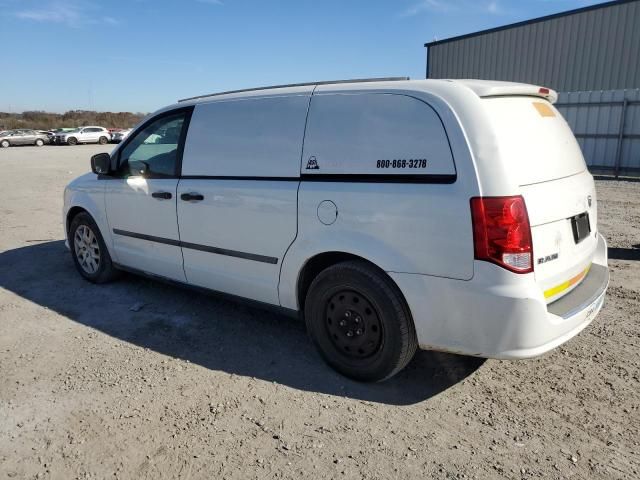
x,y
139,55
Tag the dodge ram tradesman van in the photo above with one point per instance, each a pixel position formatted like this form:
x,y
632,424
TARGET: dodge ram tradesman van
x,y
453,215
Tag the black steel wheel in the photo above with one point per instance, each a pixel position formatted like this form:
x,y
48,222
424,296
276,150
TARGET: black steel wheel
x,y
359,321
353,324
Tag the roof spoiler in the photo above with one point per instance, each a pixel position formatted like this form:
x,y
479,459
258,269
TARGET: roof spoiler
x,y
487,88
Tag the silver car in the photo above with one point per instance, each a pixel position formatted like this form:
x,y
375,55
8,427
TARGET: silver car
x,y
119,136
22,137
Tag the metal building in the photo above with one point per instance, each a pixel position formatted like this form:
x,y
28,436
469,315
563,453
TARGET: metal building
x,y
591,56
592,48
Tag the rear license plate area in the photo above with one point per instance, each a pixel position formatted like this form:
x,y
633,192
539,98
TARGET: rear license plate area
x,y
580,226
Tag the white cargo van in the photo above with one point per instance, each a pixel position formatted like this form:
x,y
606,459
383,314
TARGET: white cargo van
x,y
454,215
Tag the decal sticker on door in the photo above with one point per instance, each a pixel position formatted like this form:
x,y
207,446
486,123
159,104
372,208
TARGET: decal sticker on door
x,y
402,163
312,164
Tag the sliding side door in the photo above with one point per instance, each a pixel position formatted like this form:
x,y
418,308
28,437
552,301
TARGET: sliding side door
x,y
237,196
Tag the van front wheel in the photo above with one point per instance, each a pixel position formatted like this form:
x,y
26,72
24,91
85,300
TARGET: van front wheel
x,y
89,251
359,321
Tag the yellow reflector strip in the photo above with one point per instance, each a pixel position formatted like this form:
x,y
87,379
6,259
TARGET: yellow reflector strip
x,y
569,283
544,109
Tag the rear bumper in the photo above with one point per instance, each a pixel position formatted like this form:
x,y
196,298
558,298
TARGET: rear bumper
x,y
498,314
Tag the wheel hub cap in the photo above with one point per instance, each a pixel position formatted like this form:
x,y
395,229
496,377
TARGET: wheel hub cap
x,y
353,324
87,249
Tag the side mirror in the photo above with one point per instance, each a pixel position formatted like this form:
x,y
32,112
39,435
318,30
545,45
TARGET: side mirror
x,y
101,164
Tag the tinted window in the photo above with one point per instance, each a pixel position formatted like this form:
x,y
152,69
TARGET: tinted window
x,y
259,137
154,149
374,134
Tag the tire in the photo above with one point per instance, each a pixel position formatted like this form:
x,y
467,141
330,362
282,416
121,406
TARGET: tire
x,y
359,321
72,141
86,242
4,144
103,140
39,142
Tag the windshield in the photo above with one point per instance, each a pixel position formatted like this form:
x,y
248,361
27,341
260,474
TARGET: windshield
x,y
4,134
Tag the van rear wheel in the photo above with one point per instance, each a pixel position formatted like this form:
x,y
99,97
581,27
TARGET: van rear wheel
x,y
359,321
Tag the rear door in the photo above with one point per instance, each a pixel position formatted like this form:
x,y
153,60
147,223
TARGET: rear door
x,y
544,159
29,137
237,197
141,199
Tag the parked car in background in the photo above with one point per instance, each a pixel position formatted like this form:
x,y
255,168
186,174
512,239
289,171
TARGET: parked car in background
x,y
89,134
118,136
23,137
56,131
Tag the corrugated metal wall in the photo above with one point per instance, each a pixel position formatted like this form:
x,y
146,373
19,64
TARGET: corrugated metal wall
x,y
607,126
596,49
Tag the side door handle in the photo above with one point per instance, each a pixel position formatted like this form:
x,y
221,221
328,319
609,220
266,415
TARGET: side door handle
x,y
162,195
192,197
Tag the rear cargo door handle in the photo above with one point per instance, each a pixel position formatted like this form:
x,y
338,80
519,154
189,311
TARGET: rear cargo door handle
x,y
162,195
192,197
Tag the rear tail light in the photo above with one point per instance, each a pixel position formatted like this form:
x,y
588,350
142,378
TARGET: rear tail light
x,y
501,232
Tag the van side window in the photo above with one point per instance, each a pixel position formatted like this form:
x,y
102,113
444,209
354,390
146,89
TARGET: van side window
x,y
375,133
250,137
153,151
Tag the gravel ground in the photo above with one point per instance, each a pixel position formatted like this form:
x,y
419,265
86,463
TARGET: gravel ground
x,y
138,379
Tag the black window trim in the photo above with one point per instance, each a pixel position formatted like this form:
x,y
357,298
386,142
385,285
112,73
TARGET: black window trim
x,y
187,111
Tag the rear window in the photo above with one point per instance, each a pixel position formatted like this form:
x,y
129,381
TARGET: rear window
x,y
534,139
375,133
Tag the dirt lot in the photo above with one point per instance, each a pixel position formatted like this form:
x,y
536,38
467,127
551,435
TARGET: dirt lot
x,y
191,386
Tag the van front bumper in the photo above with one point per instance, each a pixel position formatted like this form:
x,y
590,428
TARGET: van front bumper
x,y
498,314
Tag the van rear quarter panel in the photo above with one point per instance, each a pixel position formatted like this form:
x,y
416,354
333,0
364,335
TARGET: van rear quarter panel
x,y
420,228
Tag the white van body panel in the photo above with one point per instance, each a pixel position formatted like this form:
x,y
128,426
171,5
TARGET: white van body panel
x,y
385,238
150,216
217,140
86,193
243,156
243,217
354,133
253,236
502,315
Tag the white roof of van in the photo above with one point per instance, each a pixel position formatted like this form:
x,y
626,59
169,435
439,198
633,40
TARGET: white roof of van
x,y
445,87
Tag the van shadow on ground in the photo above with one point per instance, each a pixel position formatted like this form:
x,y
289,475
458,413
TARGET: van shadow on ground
x,y
215,333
